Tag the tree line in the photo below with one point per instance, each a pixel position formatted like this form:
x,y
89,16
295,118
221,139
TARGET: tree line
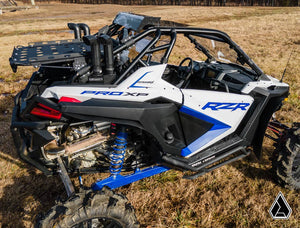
x,y
186,2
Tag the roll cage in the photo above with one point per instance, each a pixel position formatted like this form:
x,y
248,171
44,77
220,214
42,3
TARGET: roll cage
x,y
172,32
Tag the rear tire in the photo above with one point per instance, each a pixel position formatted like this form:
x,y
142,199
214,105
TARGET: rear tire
x,y
286,158
91,209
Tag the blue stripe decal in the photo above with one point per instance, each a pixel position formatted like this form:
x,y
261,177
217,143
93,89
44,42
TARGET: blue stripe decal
x,y
217,129
134,86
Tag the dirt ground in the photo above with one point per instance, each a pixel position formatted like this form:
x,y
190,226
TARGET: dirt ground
x,y
237,195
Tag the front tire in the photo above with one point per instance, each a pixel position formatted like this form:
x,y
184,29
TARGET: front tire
x,y
91,209
286,158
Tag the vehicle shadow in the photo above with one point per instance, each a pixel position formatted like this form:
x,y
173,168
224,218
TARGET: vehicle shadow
x,y
26,197
255,168
24,191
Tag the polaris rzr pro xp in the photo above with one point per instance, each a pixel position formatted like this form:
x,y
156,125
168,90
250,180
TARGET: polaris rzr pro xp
x,y
114,102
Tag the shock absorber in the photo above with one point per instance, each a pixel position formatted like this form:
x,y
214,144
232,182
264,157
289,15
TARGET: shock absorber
x,y
117,155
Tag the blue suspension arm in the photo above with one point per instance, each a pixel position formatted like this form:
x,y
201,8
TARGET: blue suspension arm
x,y
116,181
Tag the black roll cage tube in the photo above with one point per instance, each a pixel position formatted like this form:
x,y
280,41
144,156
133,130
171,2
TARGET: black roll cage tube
x,y
200,47
165,58
168,46
186,31
141,54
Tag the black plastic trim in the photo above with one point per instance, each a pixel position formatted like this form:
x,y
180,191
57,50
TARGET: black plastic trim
x,y
156,119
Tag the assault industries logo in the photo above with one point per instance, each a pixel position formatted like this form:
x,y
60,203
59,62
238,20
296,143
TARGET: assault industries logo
x,y
280,208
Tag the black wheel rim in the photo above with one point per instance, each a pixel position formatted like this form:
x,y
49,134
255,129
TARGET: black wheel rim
x,y
99,223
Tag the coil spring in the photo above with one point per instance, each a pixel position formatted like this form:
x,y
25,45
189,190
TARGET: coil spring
x,y
117,156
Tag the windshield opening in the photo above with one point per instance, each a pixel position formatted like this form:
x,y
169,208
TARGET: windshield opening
x,y
220,51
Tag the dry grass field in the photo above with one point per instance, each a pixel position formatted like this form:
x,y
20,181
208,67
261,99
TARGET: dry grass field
x,y
237,195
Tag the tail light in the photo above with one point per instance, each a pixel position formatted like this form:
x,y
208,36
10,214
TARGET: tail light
x,y
45,111
68,99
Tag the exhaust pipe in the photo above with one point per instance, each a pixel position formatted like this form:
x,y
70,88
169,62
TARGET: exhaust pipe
x,y
108,54
76,29
96,58
85,28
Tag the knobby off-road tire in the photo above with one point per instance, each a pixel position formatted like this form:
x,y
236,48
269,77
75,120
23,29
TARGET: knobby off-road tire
x,y
91,209
286,159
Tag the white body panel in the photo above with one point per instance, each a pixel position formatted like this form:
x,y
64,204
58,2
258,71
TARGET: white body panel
x,y
263,84
198,100
146,80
